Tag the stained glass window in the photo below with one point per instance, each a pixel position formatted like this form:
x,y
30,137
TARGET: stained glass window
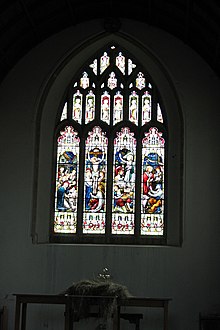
x,y
105,107
120,62
124,170
90,107
146,107
111,145
140,81
118,108
84,81
104,62
64,112
131,66
133,107
159,114
94,66
77,106
152,196
112,81
67,170
95,182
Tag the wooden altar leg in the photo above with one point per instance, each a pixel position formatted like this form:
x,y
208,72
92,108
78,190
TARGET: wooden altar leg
x,y
23,316
68,316
116,318
165,318
17,314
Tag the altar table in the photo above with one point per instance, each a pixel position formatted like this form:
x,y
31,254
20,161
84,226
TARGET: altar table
x,y
22,300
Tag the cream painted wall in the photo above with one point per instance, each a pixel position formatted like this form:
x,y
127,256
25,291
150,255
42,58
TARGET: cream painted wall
x,y
188,274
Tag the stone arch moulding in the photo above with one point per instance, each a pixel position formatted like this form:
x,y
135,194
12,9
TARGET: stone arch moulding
x,y
49,105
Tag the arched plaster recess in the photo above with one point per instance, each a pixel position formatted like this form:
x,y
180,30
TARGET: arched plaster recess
x,y
51,100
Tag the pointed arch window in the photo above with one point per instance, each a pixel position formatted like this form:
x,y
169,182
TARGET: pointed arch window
x,y
110,174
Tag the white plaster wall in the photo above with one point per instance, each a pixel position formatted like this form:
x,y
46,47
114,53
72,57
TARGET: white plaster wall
x,y
188,274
